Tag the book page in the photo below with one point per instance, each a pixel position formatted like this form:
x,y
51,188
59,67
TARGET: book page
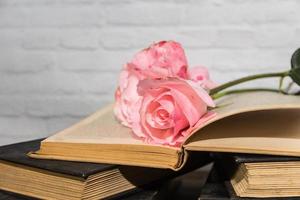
x,y
254,123
100,128
96,127
249,101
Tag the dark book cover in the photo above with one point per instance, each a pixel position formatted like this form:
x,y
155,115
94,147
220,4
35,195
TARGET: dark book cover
x,y
227,163
17,153
255,158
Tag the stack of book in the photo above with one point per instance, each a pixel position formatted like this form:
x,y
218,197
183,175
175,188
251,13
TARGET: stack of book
x,y
99,158
23,177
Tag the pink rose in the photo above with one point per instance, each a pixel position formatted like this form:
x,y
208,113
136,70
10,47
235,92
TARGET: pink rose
x,y
169,108
201,76
127,99
159,99
162,59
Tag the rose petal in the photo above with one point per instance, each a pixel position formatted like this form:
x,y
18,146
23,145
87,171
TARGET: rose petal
x,y
202,93
186,105
167,102
162,59
200,75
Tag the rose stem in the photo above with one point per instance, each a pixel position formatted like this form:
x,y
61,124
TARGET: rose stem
x,y
248,78
221,94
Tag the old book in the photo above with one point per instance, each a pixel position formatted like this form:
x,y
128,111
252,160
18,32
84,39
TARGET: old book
x,y
261,176
49,179
216,188
254,122
185,186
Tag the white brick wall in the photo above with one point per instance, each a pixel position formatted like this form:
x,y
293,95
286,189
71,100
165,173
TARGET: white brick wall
x,y
59,59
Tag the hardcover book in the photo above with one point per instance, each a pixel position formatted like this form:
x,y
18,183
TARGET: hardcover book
x,y
216,188
49,179
186,186
253,122
261,175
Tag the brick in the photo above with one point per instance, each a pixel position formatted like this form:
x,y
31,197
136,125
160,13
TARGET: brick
x,y
270,37
62,106
199,14
136,39
79,39
12,105
79,2
118,39
250,61
17,3
282,12
26,62
296,39
240,12
10,39
114,2
82,16
99,61
85,61
51,106
144,14
98,83
58,83
235,38
41,39
197,38
22,128
203,57
273,59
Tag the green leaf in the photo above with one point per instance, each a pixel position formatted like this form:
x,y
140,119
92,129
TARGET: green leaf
x,y
295,75
295,71
295,61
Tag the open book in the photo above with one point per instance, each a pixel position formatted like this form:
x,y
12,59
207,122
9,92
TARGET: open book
x,y
254,122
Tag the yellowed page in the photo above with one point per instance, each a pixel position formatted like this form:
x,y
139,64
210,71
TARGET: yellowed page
x,y
260,122
99,128
250,101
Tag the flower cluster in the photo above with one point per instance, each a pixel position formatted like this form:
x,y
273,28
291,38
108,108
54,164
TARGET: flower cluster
x,y
160,98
